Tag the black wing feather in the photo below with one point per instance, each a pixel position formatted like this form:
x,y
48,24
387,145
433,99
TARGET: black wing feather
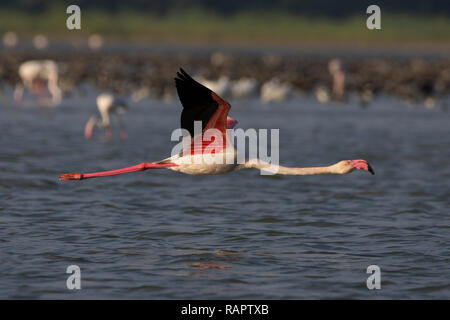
x,y
198,103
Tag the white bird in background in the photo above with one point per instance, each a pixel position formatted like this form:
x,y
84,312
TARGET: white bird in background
x,y
323,94
238,89
275,91
221,86
244,88
107,105
337,72
40,78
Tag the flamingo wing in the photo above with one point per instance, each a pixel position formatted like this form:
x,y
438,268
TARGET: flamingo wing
x,y
201,104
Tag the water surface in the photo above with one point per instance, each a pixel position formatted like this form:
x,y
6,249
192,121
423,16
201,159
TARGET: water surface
x,y
147,235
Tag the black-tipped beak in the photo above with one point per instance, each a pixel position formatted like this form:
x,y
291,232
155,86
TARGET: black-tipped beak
x,y
370,169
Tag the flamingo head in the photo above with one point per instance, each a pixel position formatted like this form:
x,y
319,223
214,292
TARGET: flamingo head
x,y
347,166
231,122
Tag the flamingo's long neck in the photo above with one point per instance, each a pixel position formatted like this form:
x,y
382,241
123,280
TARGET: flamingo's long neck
x,y
105,118
277,169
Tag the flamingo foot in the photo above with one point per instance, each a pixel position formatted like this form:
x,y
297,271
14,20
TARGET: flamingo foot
x,y
71,176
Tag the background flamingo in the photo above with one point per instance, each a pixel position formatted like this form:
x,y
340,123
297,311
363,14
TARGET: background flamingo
x,y
275,91
338,74
107,105
202,104
36,76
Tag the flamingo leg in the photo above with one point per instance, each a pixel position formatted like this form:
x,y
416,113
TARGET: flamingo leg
x,y
140,167
108,132
123,130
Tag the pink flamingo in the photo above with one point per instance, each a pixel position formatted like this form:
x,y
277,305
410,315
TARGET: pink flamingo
x,y
107,105
202,104
37,76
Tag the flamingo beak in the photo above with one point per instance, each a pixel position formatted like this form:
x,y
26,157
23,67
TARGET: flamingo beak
x,y
361,164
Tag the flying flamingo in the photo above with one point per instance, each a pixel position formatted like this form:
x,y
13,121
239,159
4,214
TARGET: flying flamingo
x,y
202,104
36,75
107,105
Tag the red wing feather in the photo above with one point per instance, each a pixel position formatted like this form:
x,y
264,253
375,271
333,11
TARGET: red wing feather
x,y
202,104
217,121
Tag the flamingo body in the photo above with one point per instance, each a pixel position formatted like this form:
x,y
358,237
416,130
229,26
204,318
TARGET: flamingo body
x,y
35,76
197,166
107,105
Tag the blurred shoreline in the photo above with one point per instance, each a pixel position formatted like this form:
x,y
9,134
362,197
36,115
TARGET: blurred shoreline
x,y
413,78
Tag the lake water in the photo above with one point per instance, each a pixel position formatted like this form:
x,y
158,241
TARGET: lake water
x,y
146,235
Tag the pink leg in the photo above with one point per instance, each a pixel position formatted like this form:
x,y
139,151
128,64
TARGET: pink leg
x,y
88,131
18,97
123,130
140,167
108,133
